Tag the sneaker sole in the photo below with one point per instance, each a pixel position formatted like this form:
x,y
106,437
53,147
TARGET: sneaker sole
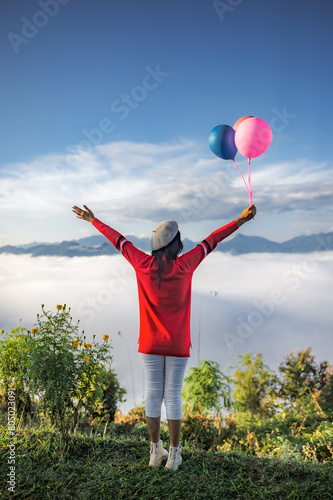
x,y
173,468
157,465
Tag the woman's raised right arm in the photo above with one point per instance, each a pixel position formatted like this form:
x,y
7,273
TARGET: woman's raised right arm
x,y
247,215
193,258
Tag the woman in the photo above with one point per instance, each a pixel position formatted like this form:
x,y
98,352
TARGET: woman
x,y
164,289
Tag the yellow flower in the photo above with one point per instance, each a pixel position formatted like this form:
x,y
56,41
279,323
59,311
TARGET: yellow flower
x,y
85,345
75,344
34,330
85,358
90,346
105,337
26,350
2,331
59,307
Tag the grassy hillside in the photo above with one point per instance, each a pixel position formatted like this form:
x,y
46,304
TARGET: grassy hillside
x,y
273,441
89,467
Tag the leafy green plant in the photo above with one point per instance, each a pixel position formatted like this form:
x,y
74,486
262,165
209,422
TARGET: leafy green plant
x,y
253,383
13,369
202,431
106,406
326,394
300,375
65,371
205,387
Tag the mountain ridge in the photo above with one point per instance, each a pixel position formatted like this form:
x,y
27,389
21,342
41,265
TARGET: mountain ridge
x,y
91,246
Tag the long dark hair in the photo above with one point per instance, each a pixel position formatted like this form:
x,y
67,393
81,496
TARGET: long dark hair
x,y
170,251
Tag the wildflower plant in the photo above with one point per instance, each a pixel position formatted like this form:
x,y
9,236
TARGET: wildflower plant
x,y
66,372
13,370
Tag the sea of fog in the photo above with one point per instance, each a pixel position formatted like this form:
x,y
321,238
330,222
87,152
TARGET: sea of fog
x,y
267,303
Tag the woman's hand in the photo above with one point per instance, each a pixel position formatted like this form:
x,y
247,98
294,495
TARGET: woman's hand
x,y
83,214
247,215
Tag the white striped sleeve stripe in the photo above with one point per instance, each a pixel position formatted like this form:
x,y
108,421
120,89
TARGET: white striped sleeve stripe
x,y
121,245
205,249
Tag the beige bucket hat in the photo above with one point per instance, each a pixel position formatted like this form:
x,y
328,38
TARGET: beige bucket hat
x,y
163,234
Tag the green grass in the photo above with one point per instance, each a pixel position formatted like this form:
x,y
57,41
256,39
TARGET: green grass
x,y
116,467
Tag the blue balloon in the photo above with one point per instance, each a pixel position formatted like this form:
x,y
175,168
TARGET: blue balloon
x,y
221,141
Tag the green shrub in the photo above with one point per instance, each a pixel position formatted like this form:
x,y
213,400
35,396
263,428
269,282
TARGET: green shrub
x,y
14,374
201,431
253,383
205,389
54,363
65,371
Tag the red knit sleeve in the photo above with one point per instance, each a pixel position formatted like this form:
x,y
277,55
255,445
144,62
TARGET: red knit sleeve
x,y
111,234
220,234
134,256
192,259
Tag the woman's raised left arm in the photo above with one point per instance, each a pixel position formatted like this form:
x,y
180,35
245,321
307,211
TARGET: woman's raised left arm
x,y
83,214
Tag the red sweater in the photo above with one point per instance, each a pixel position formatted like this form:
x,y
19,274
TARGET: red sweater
x,y
165,312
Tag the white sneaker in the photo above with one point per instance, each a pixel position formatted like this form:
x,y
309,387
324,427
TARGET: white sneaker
x,y
157,454
175,458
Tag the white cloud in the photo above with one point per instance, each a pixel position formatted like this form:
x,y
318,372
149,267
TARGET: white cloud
x,y
102,293
143,183
293,172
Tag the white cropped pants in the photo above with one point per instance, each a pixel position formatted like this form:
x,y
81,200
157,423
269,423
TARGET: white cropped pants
x,y
164,377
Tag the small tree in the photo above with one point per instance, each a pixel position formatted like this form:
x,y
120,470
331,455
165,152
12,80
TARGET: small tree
x,y
300,375
205,387
253,381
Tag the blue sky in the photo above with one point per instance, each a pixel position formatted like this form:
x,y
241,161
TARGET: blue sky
x,y
110,103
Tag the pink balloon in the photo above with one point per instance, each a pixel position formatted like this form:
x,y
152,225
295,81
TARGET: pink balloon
x,y
252,137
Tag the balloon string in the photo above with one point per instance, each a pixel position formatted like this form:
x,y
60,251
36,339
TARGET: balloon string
x,y
248,190
250,183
